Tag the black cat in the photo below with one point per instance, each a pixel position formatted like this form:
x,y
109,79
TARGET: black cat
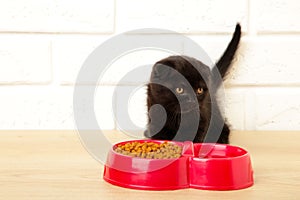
x,y
196,92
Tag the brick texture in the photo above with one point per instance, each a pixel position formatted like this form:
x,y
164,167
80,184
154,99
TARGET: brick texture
x,y
45,43
89,16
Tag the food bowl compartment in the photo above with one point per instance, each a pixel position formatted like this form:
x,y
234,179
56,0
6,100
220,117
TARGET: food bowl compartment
x,y
144,173
220,167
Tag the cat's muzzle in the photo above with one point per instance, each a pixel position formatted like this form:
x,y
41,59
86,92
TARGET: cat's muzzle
x,y
189,107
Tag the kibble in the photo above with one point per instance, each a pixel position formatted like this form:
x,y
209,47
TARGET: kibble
x,y
150,150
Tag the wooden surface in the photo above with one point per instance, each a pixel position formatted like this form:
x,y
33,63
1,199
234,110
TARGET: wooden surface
x,y
55,165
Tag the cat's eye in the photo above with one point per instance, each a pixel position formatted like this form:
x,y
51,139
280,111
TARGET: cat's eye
x,y
200,90
179,90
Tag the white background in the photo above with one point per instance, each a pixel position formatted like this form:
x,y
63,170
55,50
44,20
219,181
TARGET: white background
x,y
43,44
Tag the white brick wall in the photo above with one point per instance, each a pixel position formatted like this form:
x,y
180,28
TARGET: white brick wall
x,y
278,16
36,107
43,45
184,16
25,59
83,16
69,52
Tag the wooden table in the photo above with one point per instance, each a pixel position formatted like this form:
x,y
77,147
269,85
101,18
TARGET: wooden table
x,y
55,165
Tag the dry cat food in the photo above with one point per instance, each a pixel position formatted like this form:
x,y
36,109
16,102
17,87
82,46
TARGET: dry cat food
x,y
150,150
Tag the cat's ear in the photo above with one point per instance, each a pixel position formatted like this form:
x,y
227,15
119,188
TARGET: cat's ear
x,y
224,62
160,71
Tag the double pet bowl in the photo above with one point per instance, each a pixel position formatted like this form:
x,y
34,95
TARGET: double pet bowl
x,y
201,166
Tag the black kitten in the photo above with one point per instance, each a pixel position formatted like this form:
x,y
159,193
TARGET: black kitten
x,y
195,93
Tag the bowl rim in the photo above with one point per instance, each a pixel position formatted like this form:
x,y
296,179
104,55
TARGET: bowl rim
x,y
245,153
194,157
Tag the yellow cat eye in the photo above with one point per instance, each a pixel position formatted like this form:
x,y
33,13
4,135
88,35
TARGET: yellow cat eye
x,y
179,90
200,90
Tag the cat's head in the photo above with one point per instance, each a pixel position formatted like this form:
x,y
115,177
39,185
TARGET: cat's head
x,y
180,84
188,82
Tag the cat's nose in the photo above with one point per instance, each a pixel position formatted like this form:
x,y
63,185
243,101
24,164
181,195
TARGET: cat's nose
x,y
190,99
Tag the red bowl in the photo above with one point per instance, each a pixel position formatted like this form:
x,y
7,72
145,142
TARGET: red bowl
x,y
202,166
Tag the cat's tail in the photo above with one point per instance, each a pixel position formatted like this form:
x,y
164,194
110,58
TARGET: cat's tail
x,y
225,61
